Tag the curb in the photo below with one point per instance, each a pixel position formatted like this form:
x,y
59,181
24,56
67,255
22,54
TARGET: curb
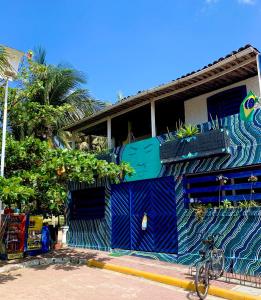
x,y
42,262
182,283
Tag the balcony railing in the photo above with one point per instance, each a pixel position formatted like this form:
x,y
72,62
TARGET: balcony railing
x,y
206,144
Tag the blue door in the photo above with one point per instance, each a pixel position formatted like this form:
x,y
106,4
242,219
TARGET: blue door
x,y
130,201
120,208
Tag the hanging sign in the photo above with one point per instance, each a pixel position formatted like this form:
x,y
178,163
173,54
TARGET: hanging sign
x,y
34,238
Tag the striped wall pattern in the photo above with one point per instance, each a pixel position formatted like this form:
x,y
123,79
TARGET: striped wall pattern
x,y
92,234
240,228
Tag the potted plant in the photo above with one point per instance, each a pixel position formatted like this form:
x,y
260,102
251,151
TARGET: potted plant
x,y
190,143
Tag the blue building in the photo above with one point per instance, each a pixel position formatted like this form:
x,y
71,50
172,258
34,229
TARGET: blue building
x,y
179,182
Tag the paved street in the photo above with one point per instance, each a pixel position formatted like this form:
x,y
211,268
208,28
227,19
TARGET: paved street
x,y
61,282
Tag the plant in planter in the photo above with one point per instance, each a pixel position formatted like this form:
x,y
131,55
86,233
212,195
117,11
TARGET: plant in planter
x,y
252,179
190,143
247,204
200,210
222,181
215,123
226,204
170,137
187,131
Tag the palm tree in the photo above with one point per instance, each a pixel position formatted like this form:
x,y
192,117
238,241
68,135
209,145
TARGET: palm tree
x,y
59,84
63,85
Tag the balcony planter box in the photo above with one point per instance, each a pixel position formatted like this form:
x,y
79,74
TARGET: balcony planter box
x,y
206,144
109,157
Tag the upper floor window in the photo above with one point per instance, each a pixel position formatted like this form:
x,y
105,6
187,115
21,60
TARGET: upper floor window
x,y
226,103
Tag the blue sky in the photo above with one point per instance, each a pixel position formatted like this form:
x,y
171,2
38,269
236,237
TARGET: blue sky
x,y
128,46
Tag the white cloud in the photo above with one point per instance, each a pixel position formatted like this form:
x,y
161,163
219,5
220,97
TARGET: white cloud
x,y
248,2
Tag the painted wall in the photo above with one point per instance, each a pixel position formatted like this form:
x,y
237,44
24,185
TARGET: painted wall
x,y
196,108
95,233
144,157
241,229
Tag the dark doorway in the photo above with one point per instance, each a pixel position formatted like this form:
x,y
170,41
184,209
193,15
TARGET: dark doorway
x,y
88,204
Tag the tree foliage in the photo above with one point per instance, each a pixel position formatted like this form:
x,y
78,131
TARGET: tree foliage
x,y
37,172
37,176
46,98
59,84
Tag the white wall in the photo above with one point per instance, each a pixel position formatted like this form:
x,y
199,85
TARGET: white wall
x,y
196,108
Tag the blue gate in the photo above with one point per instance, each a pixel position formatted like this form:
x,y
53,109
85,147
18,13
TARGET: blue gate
x,y
130,201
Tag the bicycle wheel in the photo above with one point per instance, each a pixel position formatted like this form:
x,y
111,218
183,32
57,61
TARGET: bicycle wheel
x,y
217,262
202,280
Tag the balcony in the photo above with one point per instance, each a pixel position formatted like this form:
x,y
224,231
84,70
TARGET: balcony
x,y
211,143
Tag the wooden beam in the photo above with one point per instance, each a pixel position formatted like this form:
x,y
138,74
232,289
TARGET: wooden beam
x,y
175,91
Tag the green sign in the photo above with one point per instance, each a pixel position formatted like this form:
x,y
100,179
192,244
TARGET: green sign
x,y
144,157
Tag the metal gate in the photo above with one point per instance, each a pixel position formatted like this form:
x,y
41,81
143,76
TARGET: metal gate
x,y
130,201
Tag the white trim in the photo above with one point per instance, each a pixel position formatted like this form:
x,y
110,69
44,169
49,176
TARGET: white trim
x,y
91,125
259,71
73,144
153,120
109,133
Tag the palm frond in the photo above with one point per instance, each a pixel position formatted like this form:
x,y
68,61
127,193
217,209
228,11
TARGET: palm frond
x,y
60,85
40,55
64,82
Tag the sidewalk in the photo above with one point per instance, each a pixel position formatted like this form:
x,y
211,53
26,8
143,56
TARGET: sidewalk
x,y
139,265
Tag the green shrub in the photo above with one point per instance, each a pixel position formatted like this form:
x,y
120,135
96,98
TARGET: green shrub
x,y
187,130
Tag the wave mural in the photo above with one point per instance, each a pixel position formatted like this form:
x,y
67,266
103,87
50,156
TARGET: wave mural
x,y
240,228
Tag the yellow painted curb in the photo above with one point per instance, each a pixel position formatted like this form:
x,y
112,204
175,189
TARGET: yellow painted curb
x,y
185,284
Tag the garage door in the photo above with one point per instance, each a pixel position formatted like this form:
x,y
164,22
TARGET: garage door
x,y
130,201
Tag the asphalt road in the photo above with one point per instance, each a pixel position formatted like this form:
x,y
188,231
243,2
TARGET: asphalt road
x,y
60,282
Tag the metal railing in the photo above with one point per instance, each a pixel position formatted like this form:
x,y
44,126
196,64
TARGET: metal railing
x,y
233,277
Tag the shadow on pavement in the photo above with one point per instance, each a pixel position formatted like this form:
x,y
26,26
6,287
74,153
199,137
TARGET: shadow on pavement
x,y
8,277
73,259
67,259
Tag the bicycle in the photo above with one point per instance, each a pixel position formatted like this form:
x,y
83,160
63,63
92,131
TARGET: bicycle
x,y
211,266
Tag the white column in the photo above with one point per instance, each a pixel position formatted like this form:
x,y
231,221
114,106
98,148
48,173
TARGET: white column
x,y
4,130
73,143
153,120
109,132
4,137
64,234
258,60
